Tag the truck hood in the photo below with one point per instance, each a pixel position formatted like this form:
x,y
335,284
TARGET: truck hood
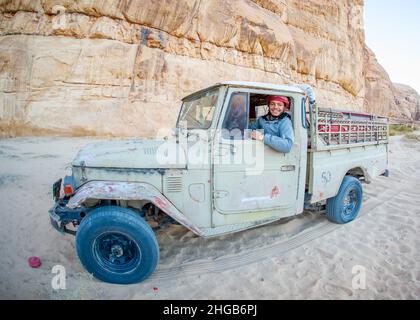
x,y
133,154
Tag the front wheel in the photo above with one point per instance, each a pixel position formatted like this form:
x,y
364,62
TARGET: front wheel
x,y
345,206
117,246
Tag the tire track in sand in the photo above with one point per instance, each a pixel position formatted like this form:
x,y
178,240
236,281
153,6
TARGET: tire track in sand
x,y
229,262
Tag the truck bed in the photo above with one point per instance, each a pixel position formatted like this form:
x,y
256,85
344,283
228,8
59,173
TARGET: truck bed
x,y
340,143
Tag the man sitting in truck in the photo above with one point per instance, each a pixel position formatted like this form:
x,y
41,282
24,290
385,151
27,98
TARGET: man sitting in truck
x,y
276,125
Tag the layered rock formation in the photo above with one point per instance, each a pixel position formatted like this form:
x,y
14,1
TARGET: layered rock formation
x,y
407,100
120,67
384,97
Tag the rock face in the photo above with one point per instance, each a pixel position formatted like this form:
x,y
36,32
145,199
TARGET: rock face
x,y
384,97
407,100
120,67
379,97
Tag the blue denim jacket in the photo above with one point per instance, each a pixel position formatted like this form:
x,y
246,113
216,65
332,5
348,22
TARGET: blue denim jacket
x,y
278,134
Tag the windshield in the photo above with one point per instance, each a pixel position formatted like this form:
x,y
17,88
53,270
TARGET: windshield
x,y
197,112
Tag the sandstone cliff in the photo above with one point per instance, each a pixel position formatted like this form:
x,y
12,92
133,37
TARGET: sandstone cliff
x,y
384,97
407,100
120,67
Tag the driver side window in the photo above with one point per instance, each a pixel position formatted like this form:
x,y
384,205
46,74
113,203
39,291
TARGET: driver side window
x,y
236,118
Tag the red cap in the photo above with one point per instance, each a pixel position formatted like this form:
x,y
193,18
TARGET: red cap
x,y
34,262
279,98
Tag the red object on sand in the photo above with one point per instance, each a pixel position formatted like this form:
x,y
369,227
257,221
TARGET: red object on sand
x,y
34,262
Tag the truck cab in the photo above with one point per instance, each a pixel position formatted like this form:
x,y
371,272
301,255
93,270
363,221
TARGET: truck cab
x,y
213,178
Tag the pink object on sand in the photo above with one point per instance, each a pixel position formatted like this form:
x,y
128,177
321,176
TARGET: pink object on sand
x,y
34,262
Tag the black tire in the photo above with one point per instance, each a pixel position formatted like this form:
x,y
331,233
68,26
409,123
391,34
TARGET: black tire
x,y
345,206
116,245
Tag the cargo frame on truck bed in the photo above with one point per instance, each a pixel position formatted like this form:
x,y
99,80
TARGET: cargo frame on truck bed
x,y
343,128
350,142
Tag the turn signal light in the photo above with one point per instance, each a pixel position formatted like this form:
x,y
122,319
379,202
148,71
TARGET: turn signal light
x,y
68,189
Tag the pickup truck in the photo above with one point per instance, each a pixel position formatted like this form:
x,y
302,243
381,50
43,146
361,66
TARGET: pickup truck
x,y
212,180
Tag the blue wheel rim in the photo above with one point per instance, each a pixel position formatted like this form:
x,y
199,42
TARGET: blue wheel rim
x,y
117,252
350,204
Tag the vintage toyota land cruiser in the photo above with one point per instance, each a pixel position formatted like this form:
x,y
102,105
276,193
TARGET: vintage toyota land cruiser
x,y
214,181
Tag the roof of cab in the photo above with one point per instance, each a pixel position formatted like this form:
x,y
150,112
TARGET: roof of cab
x,y
248,84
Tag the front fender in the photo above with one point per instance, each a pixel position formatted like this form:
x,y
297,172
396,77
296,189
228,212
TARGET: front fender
x,y
119,190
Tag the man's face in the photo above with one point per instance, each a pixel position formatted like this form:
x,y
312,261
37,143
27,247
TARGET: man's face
x,y
276,108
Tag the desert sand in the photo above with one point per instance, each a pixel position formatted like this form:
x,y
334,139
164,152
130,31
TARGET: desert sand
x,y
306,257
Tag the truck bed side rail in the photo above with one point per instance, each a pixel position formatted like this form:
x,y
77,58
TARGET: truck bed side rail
x,y
334,129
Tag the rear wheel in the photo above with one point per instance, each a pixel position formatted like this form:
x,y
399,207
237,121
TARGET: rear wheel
x,y
345,206
117,246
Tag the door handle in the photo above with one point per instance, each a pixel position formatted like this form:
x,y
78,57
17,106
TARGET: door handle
x,y
288,168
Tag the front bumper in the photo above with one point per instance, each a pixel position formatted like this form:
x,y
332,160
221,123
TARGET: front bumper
x,y
55,219
61,216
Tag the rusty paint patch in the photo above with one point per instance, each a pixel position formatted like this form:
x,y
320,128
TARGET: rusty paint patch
x,y
160,202
274,192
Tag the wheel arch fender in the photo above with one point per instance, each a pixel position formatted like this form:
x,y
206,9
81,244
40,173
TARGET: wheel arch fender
x,y
359,172
122,190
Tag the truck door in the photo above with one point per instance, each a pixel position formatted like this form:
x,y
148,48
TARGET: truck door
x,y
249,175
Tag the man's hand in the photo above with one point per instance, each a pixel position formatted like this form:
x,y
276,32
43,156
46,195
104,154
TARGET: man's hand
x,y
257,135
